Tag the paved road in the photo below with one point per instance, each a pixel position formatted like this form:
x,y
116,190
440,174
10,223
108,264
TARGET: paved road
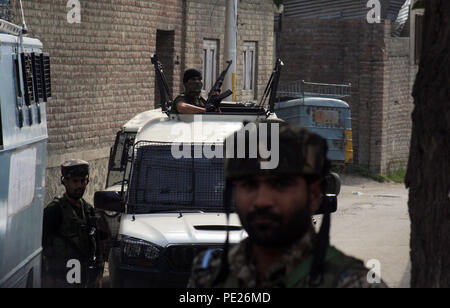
x,y
372,222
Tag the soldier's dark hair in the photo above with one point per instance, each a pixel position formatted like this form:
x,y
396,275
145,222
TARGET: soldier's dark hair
x,y
191,73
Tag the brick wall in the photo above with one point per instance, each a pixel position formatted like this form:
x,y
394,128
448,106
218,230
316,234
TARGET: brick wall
x,y
101,70
398,104
206,20
377,66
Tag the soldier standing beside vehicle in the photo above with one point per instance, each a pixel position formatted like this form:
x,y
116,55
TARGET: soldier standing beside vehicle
x,y
275,207
70,234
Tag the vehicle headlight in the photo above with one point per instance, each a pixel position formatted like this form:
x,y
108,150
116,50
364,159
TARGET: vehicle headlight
x,y
136,251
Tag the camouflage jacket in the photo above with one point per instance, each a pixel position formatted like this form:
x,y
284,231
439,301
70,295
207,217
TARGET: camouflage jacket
x,y
290,271
199,101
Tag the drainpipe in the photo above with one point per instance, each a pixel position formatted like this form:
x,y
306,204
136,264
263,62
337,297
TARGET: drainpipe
x,y
231,47
183,43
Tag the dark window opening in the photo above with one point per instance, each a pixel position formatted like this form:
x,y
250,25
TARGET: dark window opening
x,y
17,78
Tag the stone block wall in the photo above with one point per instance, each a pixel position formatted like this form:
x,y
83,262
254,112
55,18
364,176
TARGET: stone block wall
x,y
398,104
101,70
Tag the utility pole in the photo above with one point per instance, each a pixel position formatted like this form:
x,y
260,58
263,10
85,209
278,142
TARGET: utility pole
x,y
231,46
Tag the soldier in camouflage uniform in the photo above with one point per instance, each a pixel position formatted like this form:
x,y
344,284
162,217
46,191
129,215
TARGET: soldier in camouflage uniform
x,y
191,100
70,232
275,207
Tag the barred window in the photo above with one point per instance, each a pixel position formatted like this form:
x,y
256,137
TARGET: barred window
x,y
210,57
249,69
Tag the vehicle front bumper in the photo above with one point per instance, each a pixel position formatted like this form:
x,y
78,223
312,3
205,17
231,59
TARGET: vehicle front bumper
x,y
159,275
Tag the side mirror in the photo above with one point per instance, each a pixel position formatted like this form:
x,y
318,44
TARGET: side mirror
x,y
333,184
328,202
109,201
332,190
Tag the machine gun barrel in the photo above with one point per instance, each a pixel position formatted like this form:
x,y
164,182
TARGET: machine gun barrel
x,y
276,80
272,87
166,98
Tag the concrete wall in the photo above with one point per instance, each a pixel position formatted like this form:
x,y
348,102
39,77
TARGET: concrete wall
x,y
379,68
101,70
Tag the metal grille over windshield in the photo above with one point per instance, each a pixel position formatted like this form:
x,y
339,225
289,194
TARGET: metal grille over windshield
x,y
160,182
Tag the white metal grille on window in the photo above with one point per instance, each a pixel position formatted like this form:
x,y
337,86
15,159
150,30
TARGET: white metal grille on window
x,y
209,63
249,68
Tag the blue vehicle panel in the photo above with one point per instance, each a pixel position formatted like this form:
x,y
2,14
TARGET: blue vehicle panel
x,y
328,117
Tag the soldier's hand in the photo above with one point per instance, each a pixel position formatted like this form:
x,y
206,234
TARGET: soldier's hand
x,y
210,108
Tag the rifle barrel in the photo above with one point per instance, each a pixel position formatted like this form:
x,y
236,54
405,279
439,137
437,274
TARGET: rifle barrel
x,y
218,84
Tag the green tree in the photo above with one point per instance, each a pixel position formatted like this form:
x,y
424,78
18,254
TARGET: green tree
x,y
428,176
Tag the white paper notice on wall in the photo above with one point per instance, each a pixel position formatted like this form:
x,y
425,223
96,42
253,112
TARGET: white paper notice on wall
x,y
22,177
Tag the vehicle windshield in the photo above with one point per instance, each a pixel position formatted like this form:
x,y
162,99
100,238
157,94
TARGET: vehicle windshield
x,y
160,182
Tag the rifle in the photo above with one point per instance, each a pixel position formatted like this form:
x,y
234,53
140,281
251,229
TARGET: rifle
x,y
213,102
93,269
162,84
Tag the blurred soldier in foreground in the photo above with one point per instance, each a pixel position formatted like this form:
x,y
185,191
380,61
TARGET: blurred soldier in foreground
x,y
72,256
275,208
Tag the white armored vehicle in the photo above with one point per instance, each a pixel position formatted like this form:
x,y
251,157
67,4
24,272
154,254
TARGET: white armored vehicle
x,y
165,185
173,196
165,189
25,90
